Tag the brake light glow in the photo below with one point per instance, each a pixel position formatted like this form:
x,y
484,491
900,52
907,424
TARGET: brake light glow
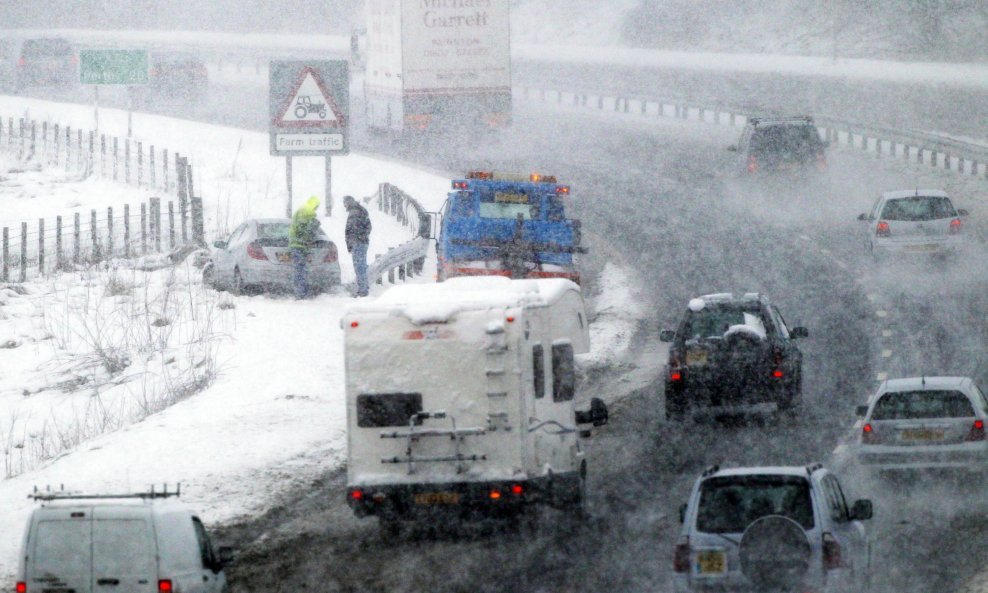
x,y
883,229
681,557
331,254
21,62
752,164
977,432
831,552
675,376
509,319
777,373
517,489
255,251
165,586
21,587
868,436
357,494
495,495
354,324
562,189
955,226
460,185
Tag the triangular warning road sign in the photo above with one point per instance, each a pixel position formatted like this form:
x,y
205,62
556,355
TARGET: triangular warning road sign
x,y
310,104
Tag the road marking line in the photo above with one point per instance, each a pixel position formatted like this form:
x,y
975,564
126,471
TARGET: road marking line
x,y
872,297
886,333
882,376
881,313
805,238
886,354
842,265
824,251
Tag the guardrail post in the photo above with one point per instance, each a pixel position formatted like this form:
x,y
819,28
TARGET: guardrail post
x,y
34,139
164,173
116,158
23,275
102,158
151,171
68,147
140,164
20,135
181,174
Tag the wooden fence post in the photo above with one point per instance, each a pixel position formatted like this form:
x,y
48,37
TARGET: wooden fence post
x,y
23,275
95,255
5,254
171,225
181,175
183,205
57,142
198,226
140,164
126,221
155,224
59,259
41,246
127,161
102,158
144,228
76,237
164,173
109,232
116,158
151,171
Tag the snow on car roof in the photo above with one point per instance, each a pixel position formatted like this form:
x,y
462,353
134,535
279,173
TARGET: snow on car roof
x,y
909,193
917,383
768,470
436,303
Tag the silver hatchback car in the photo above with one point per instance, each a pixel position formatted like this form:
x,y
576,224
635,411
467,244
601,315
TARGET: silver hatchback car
x,y
913,222
256,256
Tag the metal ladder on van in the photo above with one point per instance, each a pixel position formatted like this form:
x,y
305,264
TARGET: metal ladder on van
x,y
416,432
496,369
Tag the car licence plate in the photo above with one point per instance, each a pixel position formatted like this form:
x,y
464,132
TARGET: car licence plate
x,y
696,357
923,247
433,498
922,434
711,562
285,257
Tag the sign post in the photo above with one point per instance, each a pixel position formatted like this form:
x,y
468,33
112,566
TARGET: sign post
x,y
119,67
309,107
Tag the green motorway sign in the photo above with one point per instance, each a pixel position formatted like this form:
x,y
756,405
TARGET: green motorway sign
x,y
113,66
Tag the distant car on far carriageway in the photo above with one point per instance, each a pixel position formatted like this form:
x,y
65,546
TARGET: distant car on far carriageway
x,y
780,146
256,256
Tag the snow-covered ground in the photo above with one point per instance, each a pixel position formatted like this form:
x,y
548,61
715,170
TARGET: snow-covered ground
x,y
102,371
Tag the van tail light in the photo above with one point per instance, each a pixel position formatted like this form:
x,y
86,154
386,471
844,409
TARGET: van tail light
x,y
777,372
977,432
165,586
21,587
255,251
955,226
831,552
752,164
681,557
883,229
676,371
331,254
868,436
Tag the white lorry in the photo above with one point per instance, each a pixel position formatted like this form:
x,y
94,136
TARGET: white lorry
x,y
460,399
437,64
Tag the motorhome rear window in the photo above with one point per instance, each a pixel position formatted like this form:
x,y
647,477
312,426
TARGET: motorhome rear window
x,y
387,409
538,370
563,373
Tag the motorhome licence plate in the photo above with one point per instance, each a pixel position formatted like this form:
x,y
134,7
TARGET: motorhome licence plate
x,y
431,498
922,434
711,562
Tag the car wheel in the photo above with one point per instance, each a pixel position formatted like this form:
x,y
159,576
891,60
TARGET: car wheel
x,y
675,407
238,287
389,527
577,506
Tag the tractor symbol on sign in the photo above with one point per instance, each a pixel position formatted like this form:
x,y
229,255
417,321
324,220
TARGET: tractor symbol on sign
x,y
304,106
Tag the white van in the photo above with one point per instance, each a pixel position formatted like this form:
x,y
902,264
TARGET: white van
x,y
133,543
460,399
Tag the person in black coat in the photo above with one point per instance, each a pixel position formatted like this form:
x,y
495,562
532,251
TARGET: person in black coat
x,y
358,229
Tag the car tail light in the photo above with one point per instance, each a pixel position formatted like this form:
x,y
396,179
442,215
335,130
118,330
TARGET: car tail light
x,y
356,494
675,367
883,229
955,226
752,164
868,436
165,586
777,373
831,552
681,557
21,587
331,254
977,432
495,494
255,251
517,489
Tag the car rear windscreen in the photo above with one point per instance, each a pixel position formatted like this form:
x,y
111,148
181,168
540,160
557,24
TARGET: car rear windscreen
x,y
785,139
909,405
729,504
509,204
45,48
713,320
918,208
376,410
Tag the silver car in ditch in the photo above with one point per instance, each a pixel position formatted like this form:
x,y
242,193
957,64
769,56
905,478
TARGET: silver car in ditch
x,y
256,256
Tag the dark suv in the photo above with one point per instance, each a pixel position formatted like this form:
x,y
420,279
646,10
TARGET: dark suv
x,y
732,355
779,145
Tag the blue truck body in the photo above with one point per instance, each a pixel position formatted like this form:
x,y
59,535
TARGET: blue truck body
x,y
515,227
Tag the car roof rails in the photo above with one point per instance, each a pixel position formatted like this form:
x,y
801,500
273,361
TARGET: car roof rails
x,y
765,119
49,495
813,467
713,469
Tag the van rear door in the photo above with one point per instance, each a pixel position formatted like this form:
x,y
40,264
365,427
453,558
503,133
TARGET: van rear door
x,y
124,552
60,551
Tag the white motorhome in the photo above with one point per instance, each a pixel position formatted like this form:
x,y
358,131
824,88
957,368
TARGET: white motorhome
x,y
460,398
138,543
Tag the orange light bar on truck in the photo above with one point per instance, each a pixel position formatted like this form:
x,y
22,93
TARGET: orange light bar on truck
x,y
522,178
480,175
562,189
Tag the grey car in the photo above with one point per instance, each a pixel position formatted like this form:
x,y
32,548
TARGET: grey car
x,y
256,256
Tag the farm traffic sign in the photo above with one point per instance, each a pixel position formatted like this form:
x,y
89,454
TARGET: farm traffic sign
x,y
309,107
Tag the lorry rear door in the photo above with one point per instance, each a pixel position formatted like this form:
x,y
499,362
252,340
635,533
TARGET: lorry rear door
x,y
60,551
123,551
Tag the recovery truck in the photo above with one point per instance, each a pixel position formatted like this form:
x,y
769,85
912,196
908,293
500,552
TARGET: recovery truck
x,y
461,400
508,225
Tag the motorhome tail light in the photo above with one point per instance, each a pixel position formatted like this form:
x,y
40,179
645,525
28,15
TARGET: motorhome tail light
x,y
165,586
331,254
562,189
752,164
21,587
955,226
977,432
831,552
681,557
356,494
517,489
883,229
461,185
495,494
255,251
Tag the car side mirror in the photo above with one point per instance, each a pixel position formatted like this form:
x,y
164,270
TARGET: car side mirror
x,y
861,411
667,335
799,332
682,513
962,212
862,216
596,415
732,148
219,244
226,555
862,510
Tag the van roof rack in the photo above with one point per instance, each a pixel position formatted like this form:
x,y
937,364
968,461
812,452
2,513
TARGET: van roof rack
x,y
48,494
